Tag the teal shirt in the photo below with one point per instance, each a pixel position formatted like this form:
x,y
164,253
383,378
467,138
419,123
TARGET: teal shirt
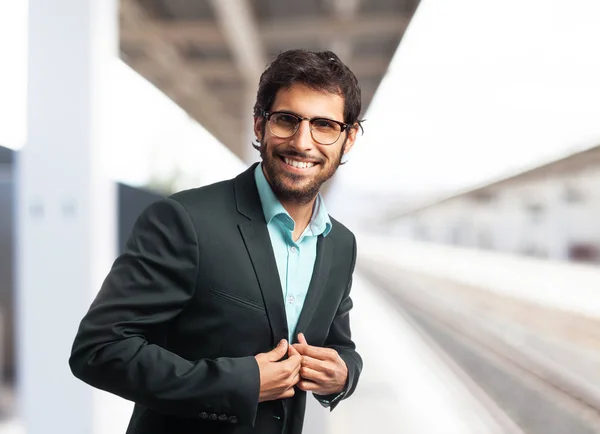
x,y
295,259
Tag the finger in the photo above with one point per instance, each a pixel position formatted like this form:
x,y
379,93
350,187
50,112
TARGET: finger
x,y
278,352
302,339
293,363
316,352
292,351
312,363
296,369
307,386
288,393
292,381
312,375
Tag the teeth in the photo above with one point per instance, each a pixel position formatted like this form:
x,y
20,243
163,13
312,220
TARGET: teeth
x,y
299,164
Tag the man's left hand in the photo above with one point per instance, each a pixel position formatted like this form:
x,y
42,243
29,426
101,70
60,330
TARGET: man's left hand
x,y
322,369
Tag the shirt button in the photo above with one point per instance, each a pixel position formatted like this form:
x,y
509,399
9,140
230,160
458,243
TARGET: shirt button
x,y
293,249
291,299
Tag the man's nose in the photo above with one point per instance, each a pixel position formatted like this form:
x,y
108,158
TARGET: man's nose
x,y
302,141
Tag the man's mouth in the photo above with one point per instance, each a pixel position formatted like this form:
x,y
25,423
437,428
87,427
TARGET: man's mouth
x,y
298,164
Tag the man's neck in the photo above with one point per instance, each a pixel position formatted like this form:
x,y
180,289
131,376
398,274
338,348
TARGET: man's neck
x,y
301,213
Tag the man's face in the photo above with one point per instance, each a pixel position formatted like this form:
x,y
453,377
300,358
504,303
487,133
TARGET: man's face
x,y
281,156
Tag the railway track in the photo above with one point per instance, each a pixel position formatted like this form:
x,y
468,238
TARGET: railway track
x,y
527,391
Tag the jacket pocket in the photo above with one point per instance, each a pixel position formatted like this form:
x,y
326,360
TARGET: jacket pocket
x,y
237,300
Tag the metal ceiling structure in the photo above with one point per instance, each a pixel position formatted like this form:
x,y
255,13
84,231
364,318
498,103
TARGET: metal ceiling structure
x,y
207,55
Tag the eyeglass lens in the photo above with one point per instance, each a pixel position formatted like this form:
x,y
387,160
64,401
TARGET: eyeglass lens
x,y
324,131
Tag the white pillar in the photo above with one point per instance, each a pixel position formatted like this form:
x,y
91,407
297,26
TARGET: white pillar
x,y
66,211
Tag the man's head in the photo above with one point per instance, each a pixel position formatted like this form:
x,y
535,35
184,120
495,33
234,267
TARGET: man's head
x,y
298,155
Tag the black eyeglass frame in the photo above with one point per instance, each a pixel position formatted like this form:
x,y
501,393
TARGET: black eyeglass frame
x,y
343,126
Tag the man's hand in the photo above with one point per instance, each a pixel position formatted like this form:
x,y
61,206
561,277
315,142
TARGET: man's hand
x,y
278,378
323,371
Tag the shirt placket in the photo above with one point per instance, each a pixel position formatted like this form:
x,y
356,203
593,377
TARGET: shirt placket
x,y
291,296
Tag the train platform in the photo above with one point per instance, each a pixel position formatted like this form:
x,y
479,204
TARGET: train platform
x,y
457,341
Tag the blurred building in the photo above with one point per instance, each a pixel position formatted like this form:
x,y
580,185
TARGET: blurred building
x,y
551,211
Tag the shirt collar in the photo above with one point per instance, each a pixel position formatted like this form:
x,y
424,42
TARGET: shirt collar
x,y
320,223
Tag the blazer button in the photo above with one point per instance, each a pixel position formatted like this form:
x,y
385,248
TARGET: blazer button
x,y
204,415
213,416
232,419
223,417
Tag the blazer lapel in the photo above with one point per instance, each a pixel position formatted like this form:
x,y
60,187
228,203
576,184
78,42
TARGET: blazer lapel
x,y
325,247
257,241
258,244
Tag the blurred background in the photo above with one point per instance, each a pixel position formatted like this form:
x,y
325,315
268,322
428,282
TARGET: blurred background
x,y
474,193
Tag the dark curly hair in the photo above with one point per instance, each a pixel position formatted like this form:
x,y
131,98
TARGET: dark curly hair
x,y
321,70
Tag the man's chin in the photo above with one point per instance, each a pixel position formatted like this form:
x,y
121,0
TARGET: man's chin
x,y
300,194
292,190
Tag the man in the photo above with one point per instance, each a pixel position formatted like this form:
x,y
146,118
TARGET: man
x,y
231,301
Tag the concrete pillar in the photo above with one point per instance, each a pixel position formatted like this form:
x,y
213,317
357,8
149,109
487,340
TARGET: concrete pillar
x,y
66,212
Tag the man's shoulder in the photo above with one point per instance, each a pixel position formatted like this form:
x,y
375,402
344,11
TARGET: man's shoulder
x,y
340,232
206,202
216,192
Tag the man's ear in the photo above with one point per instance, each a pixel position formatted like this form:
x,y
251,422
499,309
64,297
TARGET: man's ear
x,y
352,131
259,122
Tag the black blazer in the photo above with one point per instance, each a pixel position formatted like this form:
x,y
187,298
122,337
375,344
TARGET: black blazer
x,y
193,298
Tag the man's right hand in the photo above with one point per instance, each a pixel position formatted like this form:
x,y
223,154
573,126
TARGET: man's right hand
x,y
278,378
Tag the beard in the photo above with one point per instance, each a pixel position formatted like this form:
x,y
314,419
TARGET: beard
x,y
290,187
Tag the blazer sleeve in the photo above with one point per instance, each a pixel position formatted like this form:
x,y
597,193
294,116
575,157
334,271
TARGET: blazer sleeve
x,y
339,338
147,286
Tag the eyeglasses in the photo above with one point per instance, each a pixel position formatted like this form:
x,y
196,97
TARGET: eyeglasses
x,y
323,131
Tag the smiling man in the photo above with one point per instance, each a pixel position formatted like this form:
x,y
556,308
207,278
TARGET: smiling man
x,y
232,301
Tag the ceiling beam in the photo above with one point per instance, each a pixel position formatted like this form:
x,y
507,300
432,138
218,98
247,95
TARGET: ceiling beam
x,y
367,66
363,26
280,32
344,10
241,32
186,88
180,82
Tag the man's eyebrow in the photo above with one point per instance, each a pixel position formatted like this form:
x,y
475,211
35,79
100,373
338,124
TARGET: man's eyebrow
x,y
298,114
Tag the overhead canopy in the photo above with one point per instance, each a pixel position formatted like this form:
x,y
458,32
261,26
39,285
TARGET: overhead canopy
x,y
207,55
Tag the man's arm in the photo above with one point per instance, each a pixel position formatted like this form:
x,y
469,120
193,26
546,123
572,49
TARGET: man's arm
x,y
148,285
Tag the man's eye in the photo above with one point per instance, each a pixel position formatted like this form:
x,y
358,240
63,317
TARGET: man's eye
x,y
286,119
324,124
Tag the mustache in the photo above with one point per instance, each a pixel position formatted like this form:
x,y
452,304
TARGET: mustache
x,y
300,155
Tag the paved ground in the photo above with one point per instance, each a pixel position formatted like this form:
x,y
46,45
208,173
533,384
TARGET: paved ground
x,y
472,327
405,388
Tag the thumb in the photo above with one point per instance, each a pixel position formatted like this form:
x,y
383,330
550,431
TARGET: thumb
x,y
279,351
302,339
292,351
